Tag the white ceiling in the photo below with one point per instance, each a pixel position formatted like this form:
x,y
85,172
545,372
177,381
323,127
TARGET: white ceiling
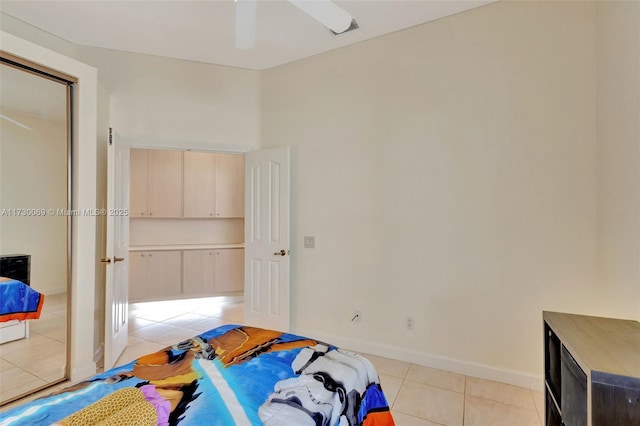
x,y
204,31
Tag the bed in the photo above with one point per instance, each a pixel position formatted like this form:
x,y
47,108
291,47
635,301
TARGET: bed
x,y
230,375
18,304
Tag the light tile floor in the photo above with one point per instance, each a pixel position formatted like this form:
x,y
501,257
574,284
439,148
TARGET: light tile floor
x,y
30,363
418,396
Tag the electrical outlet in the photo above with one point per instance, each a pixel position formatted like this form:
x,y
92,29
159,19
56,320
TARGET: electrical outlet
x,y
309,242
410,323
357,316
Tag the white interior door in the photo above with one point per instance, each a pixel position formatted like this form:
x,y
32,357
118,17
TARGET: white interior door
x,y
117,260
266,289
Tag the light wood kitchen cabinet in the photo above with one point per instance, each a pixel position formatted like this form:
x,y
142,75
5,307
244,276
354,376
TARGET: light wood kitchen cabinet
x,y
199,184
139,176
229,270
155,275
213,185
198,272
164,197
229,185
156,183
212,272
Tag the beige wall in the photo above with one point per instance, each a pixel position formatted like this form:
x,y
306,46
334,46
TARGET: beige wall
x,y
448,173
618,90
161,102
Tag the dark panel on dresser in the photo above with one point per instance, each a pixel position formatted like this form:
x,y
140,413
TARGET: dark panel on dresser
x,y
574,392
615,400
16,266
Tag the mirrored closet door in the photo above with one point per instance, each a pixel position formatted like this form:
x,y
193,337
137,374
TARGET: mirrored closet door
x,y
35,152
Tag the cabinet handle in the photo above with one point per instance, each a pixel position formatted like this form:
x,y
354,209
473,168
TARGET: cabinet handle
x,y
150,214
150,255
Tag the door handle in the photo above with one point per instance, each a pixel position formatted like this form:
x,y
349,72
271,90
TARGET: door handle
x,y
280,253
118,259
105,260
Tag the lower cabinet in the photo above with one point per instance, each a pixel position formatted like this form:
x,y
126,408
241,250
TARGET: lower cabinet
x,y
229,271
158,275
155,275
198,272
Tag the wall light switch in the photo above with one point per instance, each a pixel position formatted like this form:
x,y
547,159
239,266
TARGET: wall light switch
x,y
309,242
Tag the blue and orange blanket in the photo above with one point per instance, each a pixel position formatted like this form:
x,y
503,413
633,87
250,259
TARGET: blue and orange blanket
x,y
18,301
231,375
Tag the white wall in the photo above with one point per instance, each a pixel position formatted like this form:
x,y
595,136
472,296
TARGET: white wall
x,y
618,92
33,172
145,232
162,102
448,174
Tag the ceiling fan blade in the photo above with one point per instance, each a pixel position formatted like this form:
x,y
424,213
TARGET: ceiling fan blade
x,y
245,24
326,12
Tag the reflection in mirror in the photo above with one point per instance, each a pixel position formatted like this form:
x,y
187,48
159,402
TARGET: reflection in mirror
x,y
34,257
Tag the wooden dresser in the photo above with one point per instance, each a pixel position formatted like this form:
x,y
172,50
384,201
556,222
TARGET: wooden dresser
x,y
592,370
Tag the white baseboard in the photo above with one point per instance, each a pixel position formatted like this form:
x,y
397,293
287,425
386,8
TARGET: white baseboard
x,y
97,354
82,372
54,290
517,378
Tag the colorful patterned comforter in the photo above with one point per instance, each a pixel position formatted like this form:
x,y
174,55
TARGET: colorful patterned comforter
x,y
231,375
18,301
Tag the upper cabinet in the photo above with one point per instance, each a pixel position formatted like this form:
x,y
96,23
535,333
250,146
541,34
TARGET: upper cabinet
x,y
139,176
229,185
213,185
156,183
174,184
164,197
199,184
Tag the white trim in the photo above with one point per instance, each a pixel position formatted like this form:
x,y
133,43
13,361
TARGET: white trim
x,y
468,368
83,233
98,353
228,149
54,290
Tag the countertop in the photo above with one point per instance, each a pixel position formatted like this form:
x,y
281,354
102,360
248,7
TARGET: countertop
x,y
599,344
160,247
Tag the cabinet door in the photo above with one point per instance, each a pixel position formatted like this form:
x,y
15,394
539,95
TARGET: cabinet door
x,y
138,185
573,393
198,272
615,400
229,270
164,197
164,274
229,185
138,276
199,188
